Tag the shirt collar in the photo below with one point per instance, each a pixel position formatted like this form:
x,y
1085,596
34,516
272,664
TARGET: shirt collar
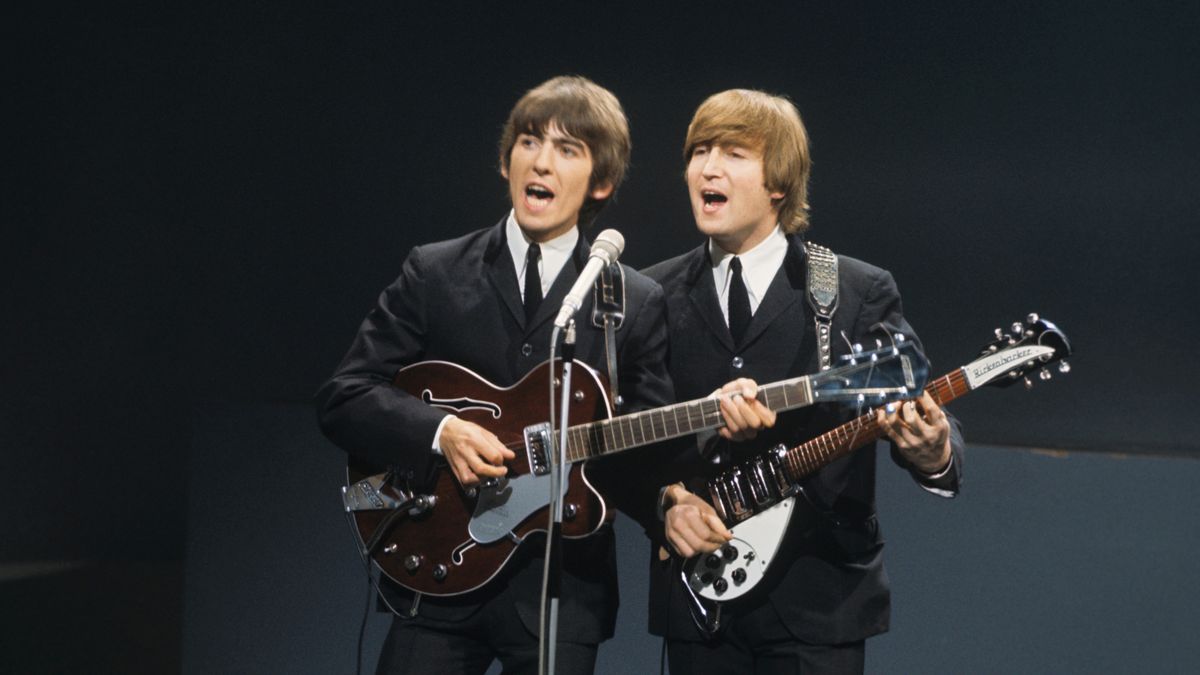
x,y
759,266
555,253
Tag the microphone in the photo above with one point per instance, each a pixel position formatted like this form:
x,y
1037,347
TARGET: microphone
x,y
605,251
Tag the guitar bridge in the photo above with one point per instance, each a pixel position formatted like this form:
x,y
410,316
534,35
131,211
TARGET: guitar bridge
x,y
537,448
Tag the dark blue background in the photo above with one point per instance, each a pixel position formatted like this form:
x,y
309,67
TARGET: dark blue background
x,y
201,203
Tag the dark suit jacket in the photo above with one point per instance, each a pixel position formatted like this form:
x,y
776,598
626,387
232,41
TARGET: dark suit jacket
x,y
828,584
458,301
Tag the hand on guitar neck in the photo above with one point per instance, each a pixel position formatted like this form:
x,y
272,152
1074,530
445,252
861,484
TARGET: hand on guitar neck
x,y
743,413
473,453
920,431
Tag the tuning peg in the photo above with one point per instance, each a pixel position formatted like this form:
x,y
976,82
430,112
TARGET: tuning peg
x,y
1017,327
1032,318
1064,367
1044,374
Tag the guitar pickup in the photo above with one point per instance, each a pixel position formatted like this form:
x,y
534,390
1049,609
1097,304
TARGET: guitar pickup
x,y
537,448
368,495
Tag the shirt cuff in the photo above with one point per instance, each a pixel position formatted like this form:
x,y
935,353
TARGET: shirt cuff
x,y
437,435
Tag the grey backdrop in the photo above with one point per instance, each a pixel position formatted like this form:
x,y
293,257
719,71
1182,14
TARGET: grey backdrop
x,y
202,202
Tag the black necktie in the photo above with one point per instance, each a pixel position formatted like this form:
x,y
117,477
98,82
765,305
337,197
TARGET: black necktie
x,y
739,302
533,281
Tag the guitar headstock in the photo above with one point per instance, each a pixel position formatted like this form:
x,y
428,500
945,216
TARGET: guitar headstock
x,y
871,378
1014,356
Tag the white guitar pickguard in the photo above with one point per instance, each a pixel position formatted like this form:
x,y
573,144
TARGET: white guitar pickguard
x,y
756,542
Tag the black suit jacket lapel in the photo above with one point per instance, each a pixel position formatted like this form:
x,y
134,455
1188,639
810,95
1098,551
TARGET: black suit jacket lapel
x,y
563,283
703,294
502,275
787,289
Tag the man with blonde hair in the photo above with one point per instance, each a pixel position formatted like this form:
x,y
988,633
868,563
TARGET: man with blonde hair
x,y
742,305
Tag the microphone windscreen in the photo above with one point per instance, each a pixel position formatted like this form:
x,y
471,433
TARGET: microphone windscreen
x,y
609,242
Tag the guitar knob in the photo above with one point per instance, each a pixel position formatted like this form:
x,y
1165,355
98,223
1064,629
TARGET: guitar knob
x,y
412,563
713,560
739,575
706,578
720,585
1064,367
440,572
1044,374
569,511
729,552
1017,328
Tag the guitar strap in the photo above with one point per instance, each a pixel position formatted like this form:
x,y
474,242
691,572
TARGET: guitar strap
x,y
822,296
608,313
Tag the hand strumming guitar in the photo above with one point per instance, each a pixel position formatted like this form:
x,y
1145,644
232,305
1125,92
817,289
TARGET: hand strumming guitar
x,y
473,452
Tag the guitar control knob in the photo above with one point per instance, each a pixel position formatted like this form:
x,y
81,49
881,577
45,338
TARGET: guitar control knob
x,y
570,511
440,572
729,552
713,560
1044,374
720,585
706,578
422,504
739,575
1064,367
412,563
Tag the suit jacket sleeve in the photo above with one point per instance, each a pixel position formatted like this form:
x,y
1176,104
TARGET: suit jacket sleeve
x,y
358,408
882,308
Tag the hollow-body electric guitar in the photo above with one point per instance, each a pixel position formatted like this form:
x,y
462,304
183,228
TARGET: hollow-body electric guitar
x,y
443,539
756,498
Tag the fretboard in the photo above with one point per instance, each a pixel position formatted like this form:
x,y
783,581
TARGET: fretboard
x,y
837,443
605,437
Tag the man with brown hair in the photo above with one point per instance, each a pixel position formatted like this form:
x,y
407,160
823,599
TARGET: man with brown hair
x,y
485,301
737,306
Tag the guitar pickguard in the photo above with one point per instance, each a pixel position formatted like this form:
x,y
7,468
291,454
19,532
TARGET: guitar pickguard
x,y
737,567
499,509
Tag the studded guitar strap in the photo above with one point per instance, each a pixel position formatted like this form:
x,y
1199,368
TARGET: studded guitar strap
x,y
822,296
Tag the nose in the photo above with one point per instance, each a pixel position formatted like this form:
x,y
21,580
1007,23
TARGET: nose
x,y
542,162
714,163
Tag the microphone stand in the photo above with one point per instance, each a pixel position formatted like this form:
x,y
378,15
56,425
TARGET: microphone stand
x,y
552,568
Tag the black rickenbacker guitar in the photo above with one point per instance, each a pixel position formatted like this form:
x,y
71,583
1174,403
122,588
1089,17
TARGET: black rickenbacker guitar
x,y
444,540
755,499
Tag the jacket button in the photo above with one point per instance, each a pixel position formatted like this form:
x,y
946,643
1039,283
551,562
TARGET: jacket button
x,y
526,349
737,362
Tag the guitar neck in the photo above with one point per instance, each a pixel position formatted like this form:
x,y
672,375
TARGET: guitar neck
x,y
832,445
596,439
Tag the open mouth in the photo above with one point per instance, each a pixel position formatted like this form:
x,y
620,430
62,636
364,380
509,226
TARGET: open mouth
x,y
538,194
712,199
